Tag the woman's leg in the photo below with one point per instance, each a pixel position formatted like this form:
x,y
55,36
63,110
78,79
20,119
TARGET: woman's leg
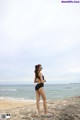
x,y
37,101
42,93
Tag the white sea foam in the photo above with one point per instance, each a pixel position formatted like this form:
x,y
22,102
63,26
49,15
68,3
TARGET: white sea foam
x,y
12,90
17,99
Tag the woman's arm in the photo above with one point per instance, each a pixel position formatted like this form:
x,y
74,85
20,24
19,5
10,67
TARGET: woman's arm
x,y
35,79
44,80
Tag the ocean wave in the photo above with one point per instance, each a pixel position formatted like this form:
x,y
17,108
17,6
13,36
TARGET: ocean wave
x,y
17,99
6,98
12,90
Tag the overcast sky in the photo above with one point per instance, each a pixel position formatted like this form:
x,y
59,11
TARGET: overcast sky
x,y
39,31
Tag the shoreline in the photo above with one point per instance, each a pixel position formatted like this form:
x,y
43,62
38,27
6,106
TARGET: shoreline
x,y
10,99
16,99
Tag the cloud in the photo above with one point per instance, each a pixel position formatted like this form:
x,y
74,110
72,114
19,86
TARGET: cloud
x,y
43,32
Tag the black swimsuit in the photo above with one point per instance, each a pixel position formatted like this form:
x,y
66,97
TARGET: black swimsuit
x,y
40,84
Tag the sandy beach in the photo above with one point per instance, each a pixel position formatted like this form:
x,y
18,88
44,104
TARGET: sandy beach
x,y
65,109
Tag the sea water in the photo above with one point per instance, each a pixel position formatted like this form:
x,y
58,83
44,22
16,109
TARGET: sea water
x,y
27,92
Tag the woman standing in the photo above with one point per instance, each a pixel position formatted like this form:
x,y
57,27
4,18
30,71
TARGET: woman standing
x,y
39,79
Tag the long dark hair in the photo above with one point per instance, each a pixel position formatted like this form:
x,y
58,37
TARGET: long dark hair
x,y
37,68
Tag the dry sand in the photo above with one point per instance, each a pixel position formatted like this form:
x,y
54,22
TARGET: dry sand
x,y
66,109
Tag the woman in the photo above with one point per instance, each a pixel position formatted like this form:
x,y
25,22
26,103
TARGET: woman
x,y
39,79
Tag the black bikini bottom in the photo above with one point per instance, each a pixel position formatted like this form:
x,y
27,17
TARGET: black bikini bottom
x,y
39,86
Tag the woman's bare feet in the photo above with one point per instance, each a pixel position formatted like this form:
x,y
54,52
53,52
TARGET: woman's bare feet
x,y
46,114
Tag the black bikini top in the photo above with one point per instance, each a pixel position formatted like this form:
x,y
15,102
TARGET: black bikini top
x,y
38,76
